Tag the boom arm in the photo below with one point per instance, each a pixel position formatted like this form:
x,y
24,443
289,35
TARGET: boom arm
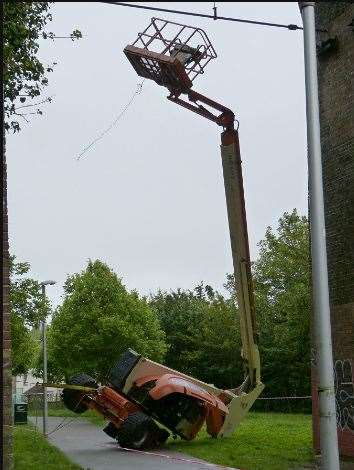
x,y
235,203
233,182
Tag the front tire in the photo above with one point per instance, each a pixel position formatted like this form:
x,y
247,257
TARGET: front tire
x,y
139,432
111,430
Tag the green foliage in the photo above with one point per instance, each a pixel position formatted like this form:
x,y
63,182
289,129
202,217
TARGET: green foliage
x,y
23,346
180,315
98,320
203,335
281,277
216,356
202,327
54,372
24,75
26,297
282,280
27,308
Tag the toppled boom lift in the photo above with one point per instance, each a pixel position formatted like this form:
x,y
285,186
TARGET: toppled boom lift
x,y
139,391
173,55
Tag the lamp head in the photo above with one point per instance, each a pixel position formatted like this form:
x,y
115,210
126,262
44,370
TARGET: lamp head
x,y
47,283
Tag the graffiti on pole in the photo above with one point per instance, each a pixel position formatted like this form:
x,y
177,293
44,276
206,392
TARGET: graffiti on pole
x,y
344,387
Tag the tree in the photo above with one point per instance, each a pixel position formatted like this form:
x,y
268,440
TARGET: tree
x,y
23,346
24,75
282,280
202,333
98,320
180,314
281,276
217,354
28,308
26,297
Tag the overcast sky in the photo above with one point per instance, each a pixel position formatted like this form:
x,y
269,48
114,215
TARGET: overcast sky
x,y
148,199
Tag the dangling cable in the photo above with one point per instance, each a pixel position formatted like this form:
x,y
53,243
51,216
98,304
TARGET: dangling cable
x,y
120,115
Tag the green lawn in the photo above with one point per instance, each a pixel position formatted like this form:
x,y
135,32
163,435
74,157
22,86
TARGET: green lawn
x,y
33,452
272,441
58,410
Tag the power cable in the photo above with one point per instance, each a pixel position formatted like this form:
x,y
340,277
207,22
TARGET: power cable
x,y
62,425
291,27
120,115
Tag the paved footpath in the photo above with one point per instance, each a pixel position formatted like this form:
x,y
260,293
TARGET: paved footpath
x,y
86,444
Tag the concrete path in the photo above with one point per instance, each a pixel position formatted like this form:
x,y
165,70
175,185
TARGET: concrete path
x,y
86,445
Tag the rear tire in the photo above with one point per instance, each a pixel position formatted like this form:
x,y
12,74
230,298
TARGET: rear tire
x,y
72,399
121,370
139,432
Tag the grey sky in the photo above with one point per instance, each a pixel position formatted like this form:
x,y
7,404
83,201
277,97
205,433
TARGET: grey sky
x,y
148,199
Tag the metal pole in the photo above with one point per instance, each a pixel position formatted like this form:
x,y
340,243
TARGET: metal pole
x,y
44,344
322,323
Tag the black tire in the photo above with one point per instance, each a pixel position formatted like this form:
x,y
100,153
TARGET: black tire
x,y
72,399
139,432
122,368
111,430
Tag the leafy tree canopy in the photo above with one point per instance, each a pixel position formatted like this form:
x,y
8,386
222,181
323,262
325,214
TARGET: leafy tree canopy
x,y
281,277
180,313
27,309
282,280
24,75
98,320
24,348
202,333
26,297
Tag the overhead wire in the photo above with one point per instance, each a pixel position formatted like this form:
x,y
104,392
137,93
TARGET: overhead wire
x,y
291,27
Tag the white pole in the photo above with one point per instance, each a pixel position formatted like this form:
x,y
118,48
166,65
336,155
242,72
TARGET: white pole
x,y
322,324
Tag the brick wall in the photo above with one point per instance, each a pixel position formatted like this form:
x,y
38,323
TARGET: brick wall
x,y
335,73
7,462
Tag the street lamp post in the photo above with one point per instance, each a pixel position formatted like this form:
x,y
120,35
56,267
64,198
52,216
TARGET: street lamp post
x,y
44,346
322,322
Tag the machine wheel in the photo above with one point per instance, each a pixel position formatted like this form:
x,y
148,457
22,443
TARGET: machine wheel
x,y
119,373
111,430
72,399
139,431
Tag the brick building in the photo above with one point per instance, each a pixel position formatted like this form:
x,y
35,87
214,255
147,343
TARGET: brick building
x,y
6,340
335,74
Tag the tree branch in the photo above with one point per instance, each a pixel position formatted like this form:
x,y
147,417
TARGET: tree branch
x,y
47,100
21,115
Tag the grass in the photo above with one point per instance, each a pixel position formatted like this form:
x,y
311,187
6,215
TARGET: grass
x,y
33,452
58,410
272,441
